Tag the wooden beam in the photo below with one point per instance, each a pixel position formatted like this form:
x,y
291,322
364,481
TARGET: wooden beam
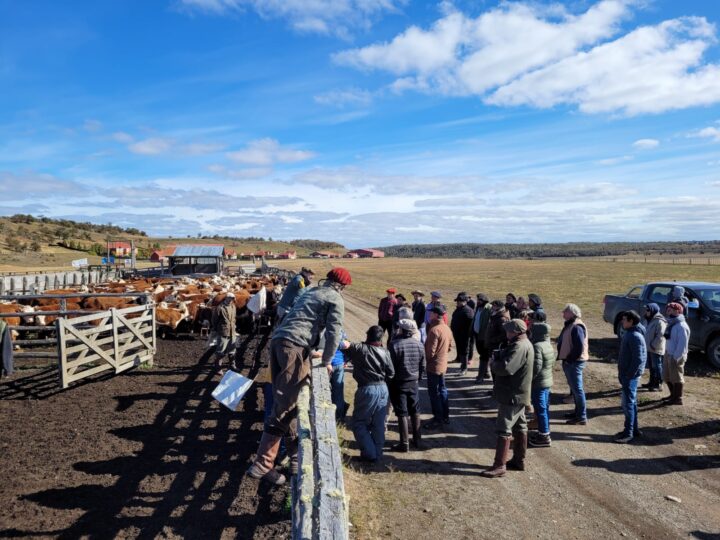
x,y
304,485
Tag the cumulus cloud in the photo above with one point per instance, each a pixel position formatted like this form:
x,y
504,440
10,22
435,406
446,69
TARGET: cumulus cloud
x,y
336,17
151,147
267,152
711,133
524,54
646,144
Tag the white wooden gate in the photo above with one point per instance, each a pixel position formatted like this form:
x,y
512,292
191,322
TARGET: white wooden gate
x,y
117,339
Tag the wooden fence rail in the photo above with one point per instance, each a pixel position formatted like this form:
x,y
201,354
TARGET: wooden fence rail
x,y
319,506
34,282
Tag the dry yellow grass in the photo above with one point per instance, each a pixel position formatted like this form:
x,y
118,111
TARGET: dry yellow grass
x,y
558,281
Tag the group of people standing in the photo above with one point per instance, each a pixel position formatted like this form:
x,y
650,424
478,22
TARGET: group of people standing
x,y
412,340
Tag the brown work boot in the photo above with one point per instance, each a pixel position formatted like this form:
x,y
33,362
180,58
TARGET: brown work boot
x,y
263,467
403,445
416,433
502,450
517,463
678,399
291,447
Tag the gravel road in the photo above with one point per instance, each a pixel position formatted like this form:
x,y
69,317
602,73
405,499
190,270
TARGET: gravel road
x,y
584,486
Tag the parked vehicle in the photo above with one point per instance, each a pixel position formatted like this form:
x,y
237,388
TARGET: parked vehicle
x,y
703,315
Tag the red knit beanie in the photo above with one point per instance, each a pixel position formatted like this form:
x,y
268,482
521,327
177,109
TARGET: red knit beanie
x,y
340,275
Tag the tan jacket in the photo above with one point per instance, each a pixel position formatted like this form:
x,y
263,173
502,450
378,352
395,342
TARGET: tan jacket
x,y
437,347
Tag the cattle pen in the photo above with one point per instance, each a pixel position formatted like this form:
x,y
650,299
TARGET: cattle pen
x,y
84,342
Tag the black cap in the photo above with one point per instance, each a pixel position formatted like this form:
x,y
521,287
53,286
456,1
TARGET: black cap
x,y
461,297
440,310
535,299
482,297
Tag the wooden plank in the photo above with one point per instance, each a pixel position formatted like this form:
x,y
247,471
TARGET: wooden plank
x,y
115,338
103,341
132,329
78,334
332,520
154,336
35,354
86,373
304,493
62,358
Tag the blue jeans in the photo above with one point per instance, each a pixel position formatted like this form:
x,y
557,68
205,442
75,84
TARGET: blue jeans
x,y
541,403
574,375
337,390
437,391
368,419
628,402
655,362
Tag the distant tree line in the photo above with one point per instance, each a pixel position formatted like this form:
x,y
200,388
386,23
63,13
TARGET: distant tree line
x,y
573,249
77,225
316,245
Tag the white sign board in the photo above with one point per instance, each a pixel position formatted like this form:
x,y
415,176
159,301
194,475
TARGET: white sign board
x,y
128,262
79,263
231,389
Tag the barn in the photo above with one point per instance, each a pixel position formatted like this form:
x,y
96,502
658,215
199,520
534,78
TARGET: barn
x,y
367,253
197,259
324,255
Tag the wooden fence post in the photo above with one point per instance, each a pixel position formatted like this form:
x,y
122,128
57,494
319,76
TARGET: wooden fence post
x,y
62,357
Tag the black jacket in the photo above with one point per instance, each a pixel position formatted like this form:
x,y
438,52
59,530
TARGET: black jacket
x,y
371,363
461,322
408,358
418,307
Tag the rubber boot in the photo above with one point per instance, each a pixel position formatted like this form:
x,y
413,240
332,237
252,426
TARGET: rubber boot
x,y
502,450
416,433
264,464
671,397
291,447
678,400
403,445
517,463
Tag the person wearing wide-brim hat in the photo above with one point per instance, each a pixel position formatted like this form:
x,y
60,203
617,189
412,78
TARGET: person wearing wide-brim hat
x,y
418,307
512,368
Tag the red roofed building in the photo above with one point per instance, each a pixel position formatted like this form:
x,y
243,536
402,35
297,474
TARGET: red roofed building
x,y
119,249
288,255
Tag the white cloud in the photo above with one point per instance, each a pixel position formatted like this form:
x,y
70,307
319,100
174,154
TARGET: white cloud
x,y
708,133
122,137
614,160
151,147
249,173
266,152
21,186
646,144
349,97
522,54
337,17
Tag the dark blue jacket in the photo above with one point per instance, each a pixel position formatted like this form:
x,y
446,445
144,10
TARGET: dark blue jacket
x,y
633,354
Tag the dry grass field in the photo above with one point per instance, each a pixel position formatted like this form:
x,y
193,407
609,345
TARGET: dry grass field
x,y
558,281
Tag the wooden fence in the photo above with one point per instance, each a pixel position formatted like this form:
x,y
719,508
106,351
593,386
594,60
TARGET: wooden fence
x,y
117,339
696,261
319,505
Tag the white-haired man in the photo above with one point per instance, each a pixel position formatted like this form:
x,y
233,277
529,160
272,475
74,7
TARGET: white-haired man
x,y
573,350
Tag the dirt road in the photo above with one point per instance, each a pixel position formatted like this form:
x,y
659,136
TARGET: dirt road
x,y
585,486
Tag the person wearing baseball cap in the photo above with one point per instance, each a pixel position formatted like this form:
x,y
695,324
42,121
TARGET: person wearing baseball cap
x,y
437,348
461,327
319,309
435,300
512,368
386,311
293,290
222,322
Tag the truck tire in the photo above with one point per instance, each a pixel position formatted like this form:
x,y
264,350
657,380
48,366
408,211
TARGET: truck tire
x,y
713,352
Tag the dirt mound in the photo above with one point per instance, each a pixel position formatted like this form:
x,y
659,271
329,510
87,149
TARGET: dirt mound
x,y
146,453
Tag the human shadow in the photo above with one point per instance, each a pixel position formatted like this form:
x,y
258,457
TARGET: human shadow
x,y
42,384
652,466
187,476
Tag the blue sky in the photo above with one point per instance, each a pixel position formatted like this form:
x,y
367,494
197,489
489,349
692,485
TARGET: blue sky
x,y
368,122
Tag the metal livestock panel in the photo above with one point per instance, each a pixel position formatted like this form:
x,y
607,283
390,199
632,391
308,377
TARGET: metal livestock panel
x,y
36,282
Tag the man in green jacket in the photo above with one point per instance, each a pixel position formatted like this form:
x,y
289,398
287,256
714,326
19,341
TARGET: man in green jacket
x,y
512,369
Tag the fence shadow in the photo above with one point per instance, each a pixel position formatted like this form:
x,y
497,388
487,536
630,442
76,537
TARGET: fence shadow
x,y
187,479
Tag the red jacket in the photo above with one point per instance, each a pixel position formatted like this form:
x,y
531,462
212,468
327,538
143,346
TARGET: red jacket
x,y
386,310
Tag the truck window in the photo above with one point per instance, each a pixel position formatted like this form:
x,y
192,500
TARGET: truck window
x,y
659,294
635,292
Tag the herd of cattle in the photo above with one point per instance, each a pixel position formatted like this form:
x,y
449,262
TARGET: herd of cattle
x,y
182,304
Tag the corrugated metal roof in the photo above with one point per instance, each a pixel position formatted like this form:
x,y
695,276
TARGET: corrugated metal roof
x,y
198,250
